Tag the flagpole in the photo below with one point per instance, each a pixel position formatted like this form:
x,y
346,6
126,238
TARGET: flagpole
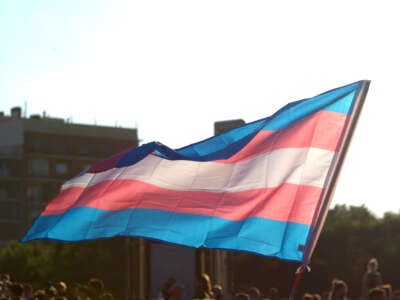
x,y
322,212
297,281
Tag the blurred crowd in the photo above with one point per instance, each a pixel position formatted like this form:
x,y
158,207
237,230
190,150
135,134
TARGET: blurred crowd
x,y
373,288
93,290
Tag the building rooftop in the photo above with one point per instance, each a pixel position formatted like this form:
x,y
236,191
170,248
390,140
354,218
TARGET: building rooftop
x,y
45,124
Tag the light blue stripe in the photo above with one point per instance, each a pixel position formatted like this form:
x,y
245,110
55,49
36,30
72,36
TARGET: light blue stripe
x,y
339,100
256,235
223,146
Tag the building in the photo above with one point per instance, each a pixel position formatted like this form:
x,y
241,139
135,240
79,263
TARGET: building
x,y
38,154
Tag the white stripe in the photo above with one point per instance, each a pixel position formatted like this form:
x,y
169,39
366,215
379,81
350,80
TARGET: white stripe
x,y
301,166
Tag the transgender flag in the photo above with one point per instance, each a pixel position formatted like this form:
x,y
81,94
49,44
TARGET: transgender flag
x,y
256,188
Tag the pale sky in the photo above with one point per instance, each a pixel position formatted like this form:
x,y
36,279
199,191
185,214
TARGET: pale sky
x,y
173,68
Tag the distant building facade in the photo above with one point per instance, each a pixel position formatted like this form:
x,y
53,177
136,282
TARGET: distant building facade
x,y
38,154
222,126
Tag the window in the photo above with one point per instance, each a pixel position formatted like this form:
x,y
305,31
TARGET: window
x,y
62,168
35,193
39,167
38,143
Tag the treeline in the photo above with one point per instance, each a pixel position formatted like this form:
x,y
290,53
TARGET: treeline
x,y
350,237
44,263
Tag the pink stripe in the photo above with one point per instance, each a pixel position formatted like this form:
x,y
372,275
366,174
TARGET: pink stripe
x,y
321,130
289,202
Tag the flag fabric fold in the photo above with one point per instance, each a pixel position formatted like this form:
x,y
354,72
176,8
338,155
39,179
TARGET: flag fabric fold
x,y
255,188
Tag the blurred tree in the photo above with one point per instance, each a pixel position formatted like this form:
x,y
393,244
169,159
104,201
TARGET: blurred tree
x,y
39,262
350,237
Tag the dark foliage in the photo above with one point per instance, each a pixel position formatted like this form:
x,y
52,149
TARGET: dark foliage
x,y
40,262
350,237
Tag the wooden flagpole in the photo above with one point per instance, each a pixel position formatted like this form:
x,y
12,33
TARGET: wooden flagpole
x,y
331,183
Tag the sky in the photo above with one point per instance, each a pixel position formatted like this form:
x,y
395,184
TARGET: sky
x,y
173,68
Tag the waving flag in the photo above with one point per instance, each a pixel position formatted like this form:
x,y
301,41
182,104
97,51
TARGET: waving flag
x,y
257,188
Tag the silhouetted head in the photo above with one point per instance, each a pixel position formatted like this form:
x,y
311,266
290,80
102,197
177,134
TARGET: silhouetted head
x,y
372,265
